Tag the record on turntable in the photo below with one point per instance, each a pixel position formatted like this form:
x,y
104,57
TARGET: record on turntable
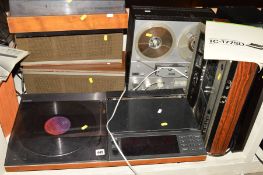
x,y
57,132
62,130
155,43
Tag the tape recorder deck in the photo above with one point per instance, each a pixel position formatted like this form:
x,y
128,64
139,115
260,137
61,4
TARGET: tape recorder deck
x,y
161,45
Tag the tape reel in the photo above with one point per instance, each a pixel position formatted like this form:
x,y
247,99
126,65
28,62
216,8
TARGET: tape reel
x,y
155,43
186,42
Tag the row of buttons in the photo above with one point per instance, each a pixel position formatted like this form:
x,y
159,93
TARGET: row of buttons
x,y
191,143
190,137
187,149
190,140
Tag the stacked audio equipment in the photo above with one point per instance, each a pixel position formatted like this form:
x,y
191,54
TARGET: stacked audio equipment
x,y
76,124
160,47
208,89
177,106
217,91
66,40
248,16
83,61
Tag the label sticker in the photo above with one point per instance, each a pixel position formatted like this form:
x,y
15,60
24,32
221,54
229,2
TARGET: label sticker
x,y
100,152
164,124
148,34
90,80
109,15
235,42
219,76
159,111
105,38
84,127
83,17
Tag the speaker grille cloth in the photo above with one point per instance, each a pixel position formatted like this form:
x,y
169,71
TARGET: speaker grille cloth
x,y
36,83
77,47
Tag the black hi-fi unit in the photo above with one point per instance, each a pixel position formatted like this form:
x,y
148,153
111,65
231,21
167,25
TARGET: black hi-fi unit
x,y
157,130
208,89
160,46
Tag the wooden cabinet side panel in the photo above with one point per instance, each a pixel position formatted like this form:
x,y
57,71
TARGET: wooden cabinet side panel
x,y
67,23
8,105
237,95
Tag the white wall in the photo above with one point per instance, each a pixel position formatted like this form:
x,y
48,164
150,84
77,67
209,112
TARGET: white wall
x,y
3,147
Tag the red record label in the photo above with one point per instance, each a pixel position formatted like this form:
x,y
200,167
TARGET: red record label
x,y
57,125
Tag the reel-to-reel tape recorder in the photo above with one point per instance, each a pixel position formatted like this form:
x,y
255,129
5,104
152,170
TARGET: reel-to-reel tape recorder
x,y
160,46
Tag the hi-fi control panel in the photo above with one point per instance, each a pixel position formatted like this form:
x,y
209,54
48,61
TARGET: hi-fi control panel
x,y
158,146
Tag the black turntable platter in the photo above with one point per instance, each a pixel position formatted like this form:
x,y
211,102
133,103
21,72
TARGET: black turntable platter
x,y
57,132
36,129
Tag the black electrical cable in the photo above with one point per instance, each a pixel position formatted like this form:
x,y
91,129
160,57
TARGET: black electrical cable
x,y
19,76
261,161
18,94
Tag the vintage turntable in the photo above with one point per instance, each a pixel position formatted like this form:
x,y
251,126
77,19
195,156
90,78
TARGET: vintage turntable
x,y
52,131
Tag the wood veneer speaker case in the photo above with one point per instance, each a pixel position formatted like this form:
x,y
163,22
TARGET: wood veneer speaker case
x,y
249,113
67,23
8,105
70,83
239,90
70,49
